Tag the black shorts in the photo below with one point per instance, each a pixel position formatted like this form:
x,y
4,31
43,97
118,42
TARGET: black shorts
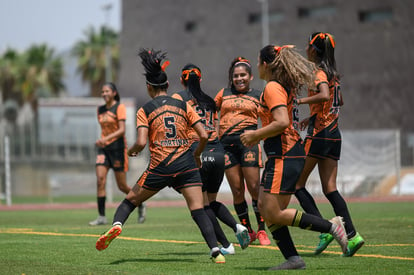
x,y
181,173
115,159
240,154
280,175
325,144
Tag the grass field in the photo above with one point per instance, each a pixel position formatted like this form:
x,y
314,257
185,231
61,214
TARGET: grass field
x,y
61,242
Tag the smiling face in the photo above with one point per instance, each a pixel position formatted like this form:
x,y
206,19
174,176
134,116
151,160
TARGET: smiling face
x,y
241,79
108,94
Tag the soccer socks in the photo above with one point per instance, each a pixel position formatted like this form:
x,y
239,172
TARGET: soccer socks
x,y
283,240
204,224
310,222
101,205
223,214
123,211
242,211
339,205
259,217
307,202
221,237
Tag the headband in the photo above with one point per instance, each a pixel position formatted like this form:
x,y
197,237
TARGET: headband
x,y
160,84
242,61
186,73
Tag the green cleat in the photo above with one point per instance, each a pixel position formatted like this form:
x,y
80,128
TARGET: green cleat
x,y
325,240
354,244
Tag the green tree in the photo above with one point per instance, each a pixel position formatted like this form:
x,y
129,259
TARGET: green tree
x,y
43,71
23,75
10,73
91,55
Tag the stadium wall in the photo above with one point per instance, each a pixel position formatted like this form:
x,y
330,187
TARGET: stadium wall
x,y
374,49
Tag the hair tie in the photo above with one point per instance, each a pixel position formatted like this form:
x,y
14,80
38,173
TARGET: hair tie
x,y
165,65
278,48
322,36
186,73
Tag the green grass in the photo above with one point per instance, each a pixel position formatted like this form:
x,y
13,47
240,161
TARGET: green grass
x,y
61,242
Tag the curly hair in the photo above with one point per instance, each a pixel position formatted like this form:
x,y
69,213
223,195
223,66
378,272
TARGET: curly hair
x,y
288,67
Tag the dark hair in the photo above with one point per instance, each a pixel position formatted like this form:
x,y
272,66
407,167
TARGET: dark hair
x,y
154,71
238,61
112,86
191,75
324,45
288,67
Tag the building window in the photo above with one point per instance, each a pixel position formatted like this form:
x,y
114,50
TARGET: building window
x,y
190,26
274,16
314,12
375,15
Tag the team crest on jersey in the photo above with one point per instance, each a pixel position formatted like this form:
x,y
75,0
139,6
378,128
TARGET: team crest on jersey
x,y
250,156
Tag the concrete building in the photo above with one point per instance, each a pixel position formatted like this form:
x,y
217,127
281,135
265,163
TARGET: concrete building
x,y
374,51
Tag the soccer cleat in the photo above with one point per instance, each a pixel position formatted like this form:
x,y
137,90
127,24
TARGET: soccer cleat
x,y
216,256
338,232
99,221
228,250
104,241
242,235
262,236
293,262
253,236
325,240
355,243
142,213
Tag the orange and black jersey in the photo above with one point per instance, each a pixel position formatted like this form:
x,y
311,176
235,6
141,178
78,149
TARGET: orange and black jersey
x,y
325,114
238,112
109,119
287,144
167,120
208,117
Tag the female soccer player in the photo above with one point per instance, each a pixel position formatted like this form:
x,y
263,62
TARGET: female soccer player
x,y
285,71
212,158
238,106
323,140
165,122
112,149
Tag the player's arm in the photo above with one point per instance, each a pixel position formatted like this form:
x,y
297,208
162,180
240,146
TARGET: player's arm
x,y
322,96
203,136
141,141
276,127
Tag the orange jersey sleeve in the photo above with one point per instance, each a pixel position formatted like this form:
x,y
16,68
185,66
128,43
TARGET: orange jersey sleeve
x,y
275,96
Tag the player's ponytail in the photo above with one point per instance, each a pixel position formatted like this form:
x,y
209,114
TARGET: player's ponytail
x,y
324,45
288,67
191,76
154,71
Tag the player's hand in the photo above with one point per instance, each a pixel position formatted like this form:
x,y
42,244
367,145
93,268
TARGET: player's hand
x,y
248,138
303,124
198,160
132,152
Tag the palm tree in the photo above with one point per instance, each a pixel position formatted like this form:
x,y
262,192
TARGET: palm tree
x,y
43,72
10,68
91,57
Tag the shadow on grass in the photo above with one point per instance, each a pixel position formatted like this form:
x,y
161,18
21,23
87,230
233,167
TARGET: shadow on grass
x,y
135,260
